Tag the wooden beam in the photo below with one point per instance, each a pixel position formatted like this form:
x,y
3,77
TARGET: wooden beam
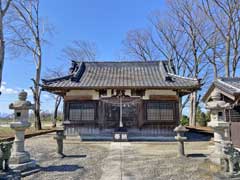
x,y
162,97
77,98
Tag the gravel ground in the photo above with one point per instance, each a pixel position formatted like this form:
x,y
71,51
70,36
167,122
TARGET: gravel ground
x,y
74,166
166,165
134,160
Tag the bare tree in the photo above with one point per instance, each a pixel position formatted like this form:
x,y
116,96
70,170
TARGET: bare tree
x,y
225,16
58,100
28,29
171,43
3,10
189,17
81,50
78,50
138,45
173,46
55,73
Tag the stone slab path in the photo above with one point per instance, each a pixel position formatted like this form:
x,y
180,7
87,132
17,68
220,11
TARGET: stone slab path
x,y
114,164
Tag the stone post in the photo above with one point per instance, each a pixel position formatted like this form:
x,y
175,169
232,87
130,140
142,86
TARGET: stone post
x,y
20,159
59,138
180,130
218,122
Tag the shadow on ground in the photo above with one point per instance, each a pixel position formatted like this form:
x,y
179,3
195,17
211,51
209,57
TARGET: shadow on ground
x,y
197,155
74,156
61,168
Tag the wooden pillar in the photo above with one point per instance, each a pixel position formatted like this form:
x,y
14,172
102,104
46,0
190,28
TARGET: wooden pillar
x,y
101,111
65,110
141,114
180,108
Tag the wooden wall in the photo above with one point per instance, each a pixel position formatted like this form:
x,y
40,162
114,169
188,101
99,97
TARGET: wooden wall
x,y
233,116
142,126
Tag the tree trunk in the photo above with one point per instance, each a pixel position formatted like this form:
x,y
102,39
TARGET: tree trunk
x,y
2,45
193,107
190,110
228,50
235,59
38,124
57,103
215,70
194,122
3,11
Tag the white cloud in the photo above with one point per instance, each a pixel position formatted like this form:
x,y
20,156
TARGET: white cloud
x,y
10,94
12,91
6,90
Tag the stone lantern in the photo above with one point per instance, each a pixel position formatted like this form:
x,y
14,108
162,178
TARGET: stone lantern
x,y
219,124
180,130
20,159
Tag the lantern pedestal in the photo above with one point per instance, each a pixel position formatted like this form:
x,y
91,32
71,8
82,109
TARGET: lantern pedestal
x,y
180,130
20,159
219,124
219,128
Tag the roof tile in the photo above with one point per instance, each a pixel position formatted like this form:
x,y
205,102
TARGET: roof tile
x,y
123,74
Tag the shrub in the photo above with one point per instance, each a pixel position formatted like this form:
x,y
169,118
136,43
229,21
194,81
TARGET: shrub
x,y
184,120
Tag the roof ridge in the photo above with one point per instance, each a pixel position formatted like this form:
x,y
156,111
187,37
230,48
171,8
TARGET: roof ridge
x,y
120,61
171,74
230,78
57,78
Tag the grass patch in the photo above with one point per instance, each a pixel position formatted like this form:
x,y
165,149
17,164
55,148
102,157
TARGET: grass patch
x,y
6,133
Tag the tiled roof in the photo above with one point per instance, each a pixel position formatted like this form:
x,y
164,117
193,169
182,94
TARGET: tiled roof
x,y
97,75
230,86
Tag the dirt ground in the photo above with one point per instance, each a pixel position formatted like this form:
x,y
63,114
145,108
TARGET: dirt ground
x,y
6,132
115,161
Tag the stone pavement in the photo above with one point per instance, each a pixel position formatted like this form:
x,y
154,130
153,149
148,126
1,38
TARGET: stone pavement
x,y
114,163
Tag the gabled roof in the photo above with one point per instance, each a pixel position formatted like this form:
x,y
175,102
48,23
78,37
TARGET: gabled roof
x,y
230,86
132,74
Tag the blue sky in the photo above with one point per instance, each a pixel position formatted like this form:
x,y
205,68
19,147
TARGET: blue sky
x,y
104,22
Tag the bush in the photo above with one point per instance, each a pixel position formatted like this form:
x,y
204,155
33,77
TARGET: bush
x,y
184,120
202,118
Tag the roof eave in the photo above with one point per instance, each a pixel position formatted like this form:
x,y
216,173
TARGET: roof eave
x,y
189,88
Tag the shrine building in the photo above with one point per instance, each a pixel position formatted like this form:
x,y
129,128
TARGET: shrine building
x,y
142,97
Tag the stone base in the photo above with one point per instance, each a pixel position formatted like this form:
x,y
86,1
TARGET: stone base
x,y
215,158
10,175
24,166
59,155
19,157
